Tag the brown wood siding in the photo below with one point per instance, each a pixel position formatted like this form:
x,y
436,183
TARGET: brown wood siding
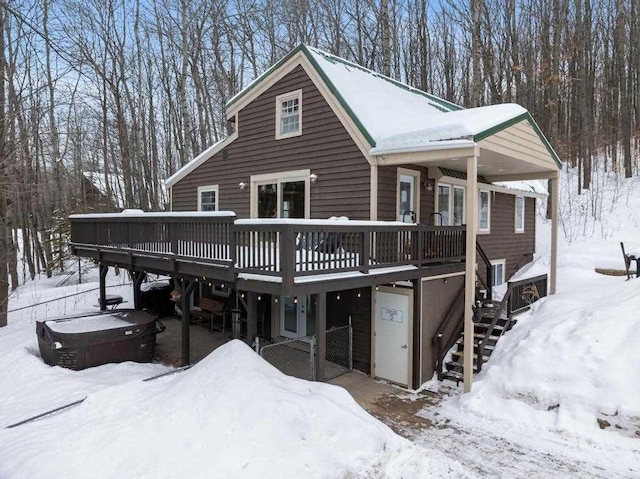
x,y
437,297
388,193
325,147
503,243
359,309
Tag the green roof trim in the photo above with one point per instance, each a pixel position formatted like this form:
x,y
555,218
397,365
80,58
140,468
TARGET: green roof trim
x,y
338,96
258,80
506,124
440,103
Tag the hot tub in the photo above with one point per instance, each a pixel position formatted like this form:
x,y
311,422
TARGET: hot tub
x,y
88,340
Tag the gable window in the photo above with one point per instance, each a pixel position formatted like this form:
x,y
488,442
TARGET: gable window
x,y
451,205
289,115
280,195
208,198
497,271
484,216
519,226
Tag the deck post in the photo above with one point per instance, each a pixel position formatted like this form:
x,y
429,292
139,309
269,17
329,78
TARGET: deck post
x,y
417,333
252,317
321,335
138,277
186,288
470,269
555,194
103,269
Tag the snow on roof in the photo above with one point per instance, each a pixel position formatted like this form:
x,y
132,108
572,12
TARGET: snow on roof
x,y
455,125
230,415
197,161
529,186
384,106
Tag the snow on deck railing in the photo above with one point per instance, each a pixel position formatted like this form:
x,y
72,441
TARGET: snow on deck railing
x,y
285,248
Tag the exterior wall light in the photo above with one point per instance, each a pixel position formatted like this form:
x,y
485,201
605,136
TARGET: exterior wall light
x,y
313,177
242,185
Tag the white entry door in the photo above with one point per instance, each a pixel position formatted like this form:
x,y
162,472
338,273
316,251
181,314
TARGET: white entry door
x,y
297,317
392,339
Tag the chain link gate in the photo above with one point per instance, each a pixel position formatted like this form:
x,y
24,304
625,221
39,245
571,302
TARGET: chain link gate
x,y
296,357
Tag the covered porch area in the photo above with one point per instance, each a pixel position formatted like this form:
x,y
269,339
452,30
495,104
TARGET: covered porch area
x,y
500,143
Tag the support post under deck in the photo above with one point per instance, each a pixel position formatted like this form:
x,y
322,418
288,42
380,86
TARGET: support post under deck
x,y
138,277
252,317
186,288
321,335
103,287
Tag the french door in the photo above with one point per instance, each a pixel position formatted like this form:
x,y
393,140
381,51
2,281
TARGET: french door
x,y
297,316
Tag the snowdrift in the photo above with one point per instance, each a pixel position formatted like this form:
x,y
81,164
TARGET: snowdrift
x,y
231,415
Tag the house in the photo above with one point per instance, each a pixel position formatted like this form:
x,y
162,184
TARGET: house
x,y
102,192
418,177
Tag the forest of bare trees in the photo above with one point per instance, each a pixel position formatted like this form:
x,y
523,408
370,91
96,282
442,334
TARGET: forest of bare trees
x,y
133,89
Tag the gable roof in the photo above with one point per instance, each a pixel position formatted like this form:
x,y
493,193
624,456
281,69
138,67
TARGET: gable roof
x,y
391,116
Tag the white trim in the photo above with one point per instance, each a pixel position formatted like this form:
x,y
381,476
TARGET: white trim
x,y
373,193
515,214
280,99
201,158
502,262
486,230
452,189
400,172
281,177
203,189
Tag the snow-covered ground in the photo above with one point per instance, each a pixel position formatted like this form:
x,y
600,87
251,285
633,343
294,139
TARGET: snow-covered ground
x,y
560,396
231,415
565,381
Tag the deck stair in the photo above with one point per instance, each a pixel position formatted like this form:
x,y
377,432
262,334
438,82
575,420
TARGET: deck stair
x,y
454,366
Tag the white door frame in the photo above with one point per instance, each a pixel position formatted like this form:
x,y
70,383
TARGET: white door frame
x,y
397,290
303,302
415,174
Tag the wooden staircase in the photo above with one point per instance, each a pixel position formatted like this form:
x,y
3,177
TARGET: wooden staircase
x,y
454,367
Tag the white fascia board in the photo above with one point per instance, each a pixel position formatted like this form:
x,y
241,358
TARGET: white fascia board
x,y
198,160
431,146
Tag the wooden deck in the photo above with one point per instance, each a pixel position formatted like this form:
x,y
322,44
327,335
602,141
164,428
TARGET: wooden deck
x,y
285,257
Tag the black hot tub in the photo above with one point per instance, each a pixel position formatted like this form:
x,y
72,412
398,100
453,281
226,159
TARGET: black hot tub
x,y
88,340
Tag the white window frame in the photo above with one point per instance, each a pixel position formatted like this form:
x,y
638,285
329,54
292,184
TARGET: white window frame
x,y
486,230
452,188
516,228
279,178
416,191
204,189
297,94
503,263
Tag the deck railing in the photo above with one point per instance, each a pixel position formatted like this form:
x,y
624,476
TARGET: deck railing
x,y
282,248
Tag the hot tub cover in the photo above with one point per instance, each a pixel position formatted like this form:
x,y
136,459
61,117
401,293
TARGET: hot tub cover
x,y
88,340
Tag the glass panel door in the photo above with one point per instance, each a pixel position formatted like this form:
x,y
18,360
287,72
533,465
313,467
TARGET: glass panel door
x,y
289,314
443,205
298,317
406,205
268,200
293,201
